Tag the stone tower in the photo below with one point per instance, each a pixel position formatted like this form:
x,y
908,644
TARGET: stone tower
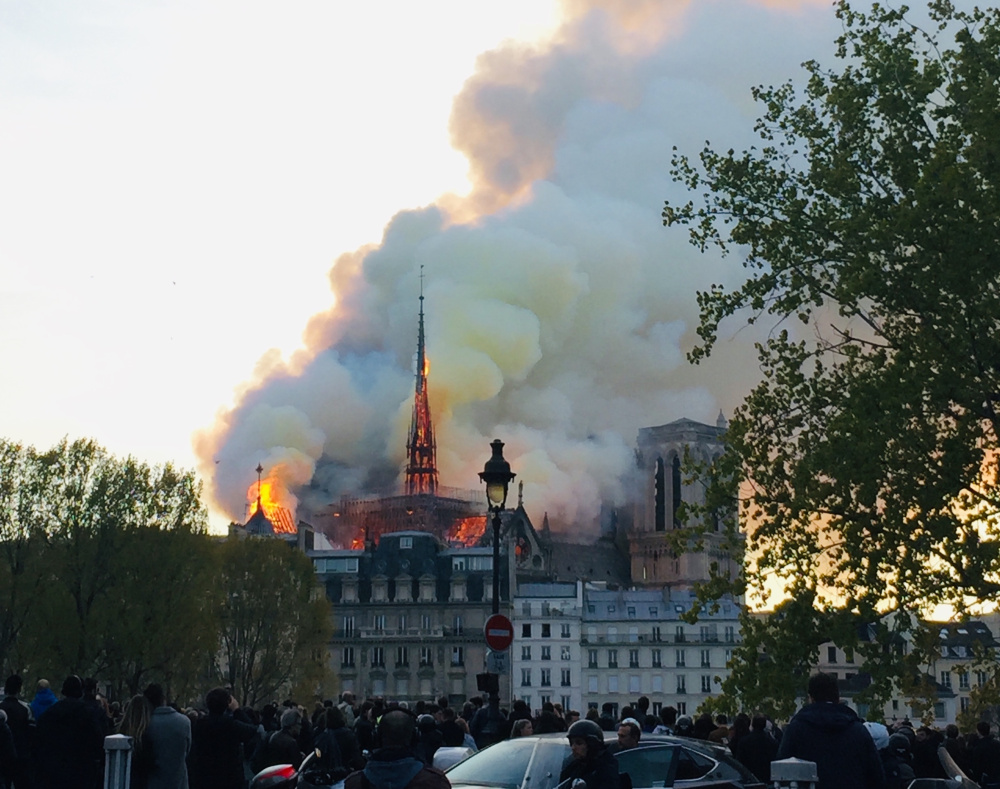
x,y
664,484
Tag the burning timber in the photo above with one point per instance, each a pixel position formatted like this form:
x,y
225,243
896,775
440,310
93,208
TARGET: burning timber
x,y
453,515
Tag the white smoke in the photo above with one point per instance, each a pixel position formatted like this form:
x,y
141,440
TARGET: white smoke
x,y
558,309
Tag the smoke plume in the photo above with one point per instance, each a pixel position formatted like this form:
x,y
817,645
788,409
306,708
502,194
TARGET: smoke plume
x,y
558,309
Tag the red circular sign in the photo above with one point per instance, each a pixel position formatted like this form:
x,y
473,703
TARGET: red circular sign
x,y
499,632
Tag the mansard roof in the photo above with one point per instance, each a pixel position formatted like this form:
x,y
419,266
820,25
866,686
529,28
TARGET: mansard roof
x,y
601,561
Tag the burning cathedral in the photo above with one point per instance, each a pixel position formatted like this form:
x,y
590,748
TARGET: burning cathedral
x,y
410,574
633,548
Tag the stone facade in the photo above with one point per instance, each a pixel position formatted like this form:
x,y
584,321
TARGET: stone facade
x,y
409,615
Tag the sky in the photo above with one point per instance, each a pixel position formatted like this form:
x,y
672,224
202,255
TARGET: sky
x,y
213,217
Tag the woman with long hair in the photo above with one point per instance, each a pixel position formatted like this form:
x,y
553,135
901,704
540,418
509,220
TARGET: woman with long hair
x,y
135,724
522,728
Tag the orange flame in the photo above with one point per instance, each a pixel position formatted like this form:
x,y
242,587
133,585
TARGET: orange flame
x,y
468,531
270,496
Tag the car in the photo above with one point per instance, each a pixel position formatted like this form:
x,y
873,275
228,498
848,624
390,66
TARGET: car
x,y
535,762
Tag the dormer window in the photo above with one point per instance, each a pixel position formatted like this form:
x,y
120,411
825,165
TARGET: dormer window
x,y
405,542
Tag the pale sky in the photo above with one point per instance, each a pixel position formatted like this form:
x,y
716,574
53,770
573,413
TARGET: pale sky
x,y
177,178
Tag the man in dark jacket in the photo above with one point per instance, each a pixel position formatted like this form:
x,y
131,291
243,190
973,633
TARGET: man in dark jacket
x,y
985,756
217,743
757,749
282,746
22,727
831,735
591,761
393,766
70,751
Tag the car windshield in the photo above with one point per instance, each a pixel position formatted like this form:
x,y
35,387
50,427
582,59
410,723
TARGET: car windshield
x,y
503,764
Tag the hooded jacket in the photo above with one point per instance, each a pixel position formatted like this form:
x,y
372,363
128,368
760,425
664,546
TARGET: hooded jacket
x,y
44,699
833,736
396,768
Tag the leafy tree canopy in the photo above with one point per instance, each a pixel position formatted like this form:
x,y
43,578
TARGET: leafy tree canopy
x,y
867,220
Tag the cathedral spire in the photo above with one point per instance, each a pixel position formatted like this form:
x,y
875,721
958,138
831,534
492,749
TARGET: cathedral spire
x,y
421,464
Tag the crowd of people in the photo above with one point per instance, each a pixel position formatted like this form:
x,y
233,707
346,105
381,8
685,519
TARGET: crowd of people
x,y
57,742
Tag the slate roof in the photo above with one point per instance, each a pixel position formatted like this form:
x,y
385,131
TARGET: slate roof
x,y
962,639
601,561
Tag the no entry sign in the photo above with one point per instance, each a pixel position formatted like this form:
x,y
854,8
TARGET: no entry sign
x,y
499,632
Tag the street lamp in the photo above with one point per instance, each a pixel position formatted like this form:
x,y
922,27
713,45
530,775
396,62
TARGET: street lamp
x,y
497,476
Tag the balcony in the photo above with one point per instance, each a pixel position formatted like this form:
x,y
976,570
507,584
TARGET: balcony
x,y
409,632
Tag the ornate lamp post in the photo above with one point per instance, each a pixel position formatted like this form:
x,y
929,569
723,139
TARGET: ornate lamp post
x,y
497,476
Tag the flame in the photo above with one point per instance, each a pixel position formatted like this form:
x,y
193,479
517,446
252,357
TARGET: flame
x,y
468,531
357,544
271,494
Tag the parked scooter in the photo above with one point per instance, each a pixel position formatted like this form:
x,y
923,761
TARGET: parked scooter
x,y
285,776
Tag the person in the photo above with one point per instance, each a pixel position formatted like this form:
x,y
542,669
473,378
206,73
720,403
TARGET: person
x,y
98,706
394,766
757,749
522,728
547,721
346,707
896,762
721,733
430,738
831,735
953,744
985,757
135,724
8,754
926,763
348,747
703,726
668,719
364,727
22,728
44,698
741,728
628,735
607,719
591,761
70,750
684,726
217,743
169,734
282,746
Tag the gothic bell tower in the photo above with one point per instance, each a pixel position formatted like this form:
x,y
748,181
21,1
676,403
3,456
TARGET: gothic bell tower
x,y
665,483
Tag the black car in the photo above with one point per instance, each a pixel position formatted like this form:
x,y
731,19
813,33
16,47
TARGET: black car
x,y
535,762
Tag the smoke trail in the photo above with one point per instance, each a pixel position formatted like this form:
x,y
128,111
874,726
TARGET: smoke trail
x,y
558,309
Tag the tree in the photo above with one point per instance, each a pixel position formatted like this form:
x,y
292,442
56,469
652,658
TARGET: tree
x,y
275,619
95,502
159,619
868,223
22,541
83,537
